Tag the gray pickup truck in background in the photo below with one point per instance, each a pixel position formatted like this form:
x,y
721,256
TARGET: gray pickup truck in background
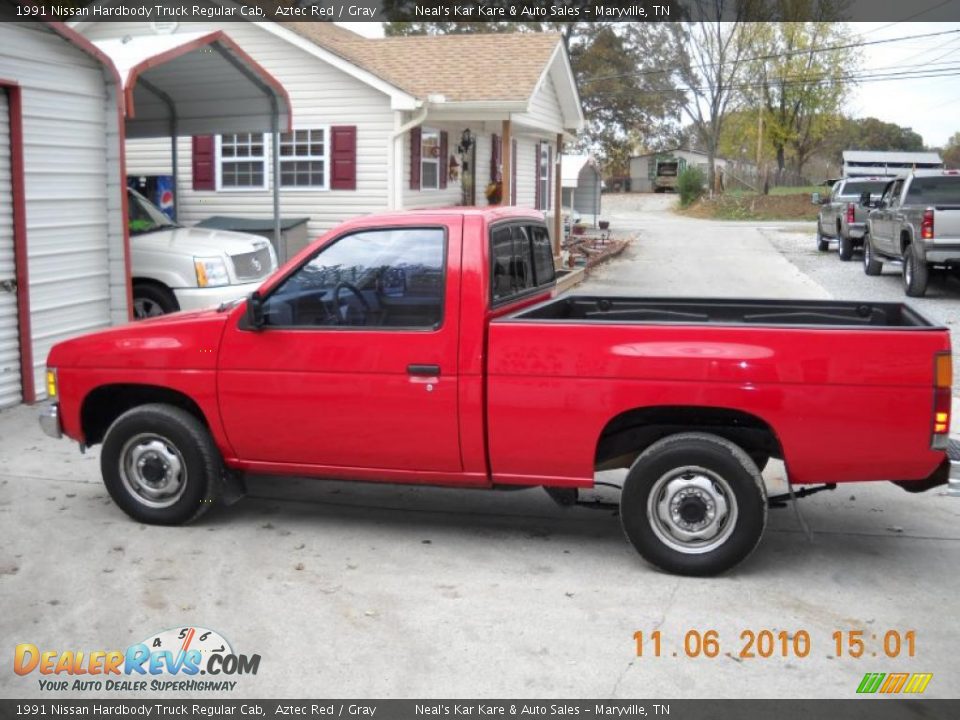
x,y
841,215
916,222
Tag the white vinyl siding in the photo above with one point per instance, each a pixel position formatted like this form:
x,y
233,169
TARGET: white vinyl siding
x,y
545,112
321,96
72,188
9,329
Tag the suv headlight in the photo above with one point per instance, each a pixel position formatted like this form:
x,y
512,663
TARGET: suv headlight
x,y
211,272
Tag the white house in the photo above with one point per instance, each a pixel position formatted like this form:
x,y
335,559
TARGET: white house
x,y
62,207
378,123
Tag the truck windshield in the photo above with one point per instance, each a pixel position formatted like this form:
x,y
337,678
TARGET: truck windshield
x,y
855,189
143,216
943,190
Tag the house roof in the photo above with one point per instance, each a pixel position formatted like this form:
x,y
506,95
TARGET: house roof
x,y
461,67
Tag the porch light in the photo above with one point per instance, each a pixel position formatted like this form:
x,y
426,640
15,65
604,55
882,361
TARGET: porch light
x,y
466,142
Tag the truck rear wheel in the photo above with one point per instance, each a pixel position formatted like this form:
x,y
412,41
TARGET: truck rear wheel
x,y
916,273
694,504
844,247
871,266
160,465
822,243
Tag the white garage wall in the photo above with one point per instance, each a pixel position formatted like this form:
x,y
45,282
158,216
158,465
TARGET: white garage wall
x,y
74,228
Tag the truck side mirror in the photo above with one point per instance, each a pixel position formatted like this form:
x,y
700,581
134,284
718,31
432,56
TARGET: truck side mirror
x,y
865,198
255,310
815,198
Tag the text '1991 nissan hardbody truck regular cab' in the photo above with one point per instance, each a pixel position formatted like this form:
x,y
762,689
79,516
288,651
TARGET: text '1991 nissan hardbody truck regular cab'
x,y
427,347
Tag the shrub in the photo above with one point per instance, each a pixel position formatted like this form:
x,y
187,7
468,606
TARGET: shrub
x,y
691,185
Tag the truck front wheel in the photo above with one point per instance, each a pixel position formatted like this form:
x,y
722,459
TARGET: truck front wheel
x,y
916,273
694,504
151,300
160,465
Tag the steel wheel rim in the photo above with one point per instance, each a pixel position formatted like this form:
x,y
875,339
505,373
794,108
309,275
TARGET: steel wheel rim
x,y
145,308
153,470
908,270
692,510
866,253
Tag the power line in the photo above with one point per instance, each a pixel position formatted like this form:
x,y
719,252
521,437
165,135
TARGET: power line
x,y
772,56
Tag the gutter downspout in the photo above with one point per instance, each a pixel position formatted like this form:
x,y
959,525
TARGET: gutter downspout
x,y
396,202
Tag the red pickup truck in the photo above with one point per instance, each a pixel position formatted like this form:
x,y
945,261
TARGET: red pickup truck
x,y
428,347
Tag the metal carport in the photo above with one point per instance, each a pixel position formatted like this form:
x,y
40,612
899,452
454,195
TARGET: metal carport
x,y
198,84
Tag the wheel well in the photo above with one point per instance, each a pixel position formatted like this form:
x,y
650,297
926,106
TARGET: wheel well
x,y
108,402
905,241
630,433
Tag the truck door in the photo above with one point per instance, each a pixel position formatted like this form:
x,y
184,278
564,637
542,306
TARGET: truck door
x,y
355,365
880,221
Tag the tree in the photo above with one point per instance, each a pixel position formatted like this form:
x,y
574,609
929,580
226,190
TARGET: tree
x,y
801,87
710,69
626,96
951,153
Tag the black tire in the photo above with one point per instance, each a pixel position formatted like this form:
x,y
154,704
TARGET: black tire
x,y
916,272
871,266
151,300
159,439
844,247
707,469
823,244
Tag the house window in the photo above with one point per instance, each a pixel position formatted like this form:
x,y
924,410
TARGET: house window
x,y
429,159
544,176
303,159
241,162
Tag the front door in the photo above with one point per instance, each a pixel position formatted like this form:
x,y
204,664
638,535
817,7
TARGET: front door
x,y
355,365
10,382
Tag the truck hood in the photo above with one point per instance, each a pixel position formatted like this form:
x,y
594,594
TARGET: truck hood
x,y
179,341
198,241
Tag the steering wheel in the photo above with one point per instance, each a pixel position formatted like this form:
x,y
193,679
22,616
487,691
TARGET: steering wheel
x,y
353,289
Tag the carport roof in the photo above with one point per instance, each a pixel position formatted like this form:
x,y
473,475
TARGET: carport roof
x,y
194,84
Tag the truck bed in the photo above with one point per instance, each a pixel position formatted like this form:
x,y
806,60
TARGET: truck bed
x,y
768,313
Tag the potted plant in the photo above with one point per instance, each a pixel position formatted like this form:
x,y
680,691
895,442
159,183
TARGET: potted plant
x,y
604,224
579,229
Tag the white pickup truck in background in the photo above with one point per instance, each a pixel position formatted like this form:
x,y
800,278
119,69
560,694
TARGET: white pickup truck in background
x,y
179,268
916,222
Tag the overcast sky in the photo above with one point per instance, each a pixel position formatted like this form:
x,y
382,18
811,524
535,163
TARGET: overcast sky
x,y
930,106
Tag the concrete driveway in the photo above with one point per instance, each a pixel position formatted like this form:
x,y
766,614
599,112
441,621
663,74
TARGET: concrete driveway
x,y
354,590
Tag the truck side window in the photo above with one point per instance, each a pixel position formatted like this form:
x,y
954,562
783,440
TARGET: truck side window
x,y
376,278
521,259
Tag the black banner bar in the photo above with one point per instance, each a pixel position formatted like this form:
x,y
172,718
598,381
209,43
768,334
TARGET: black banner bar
x,y
877,709
478,10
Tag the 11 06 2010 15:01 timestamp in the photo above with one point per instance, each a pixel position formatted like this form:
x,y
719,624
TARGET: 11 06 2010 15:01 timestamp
x,y
753,644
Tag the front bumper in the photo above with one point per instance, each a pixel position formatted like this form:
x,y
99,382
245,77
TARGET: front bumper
x,y
50,420
211,297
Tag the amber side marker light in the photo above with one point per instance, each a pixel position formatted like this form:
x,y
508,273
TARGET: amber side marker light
x,y
52,384
942,398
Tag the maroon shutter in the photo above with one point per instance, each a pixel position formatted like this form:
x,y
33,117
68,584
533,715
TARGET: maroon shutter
x,y
513,172
444,165
537,202
495,158
415,159
343,157
204,152
549,176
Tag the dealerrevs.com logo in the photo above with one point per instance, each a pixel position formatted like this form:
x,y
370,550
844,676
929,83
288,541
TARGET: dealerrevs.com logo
x,y
180,659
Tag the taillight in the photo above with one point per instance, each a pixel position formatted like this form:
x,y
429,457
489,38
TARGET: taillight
x,y
926,225
942,399
851,213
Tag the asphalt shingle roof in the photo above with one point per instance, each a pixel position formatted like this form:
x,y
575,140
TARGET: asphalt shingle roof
x,y
463,68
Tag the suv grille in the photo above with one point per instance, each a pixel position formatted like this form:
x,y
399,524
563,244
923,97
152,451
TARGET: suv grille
x,y
253,265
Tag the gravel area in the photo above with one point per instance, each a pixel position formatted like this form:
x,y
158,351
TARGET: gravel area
x,y
847,281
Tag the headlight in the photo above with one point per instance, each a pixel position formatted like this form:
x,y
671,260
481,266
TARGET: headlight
x,y
211,272
51,384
